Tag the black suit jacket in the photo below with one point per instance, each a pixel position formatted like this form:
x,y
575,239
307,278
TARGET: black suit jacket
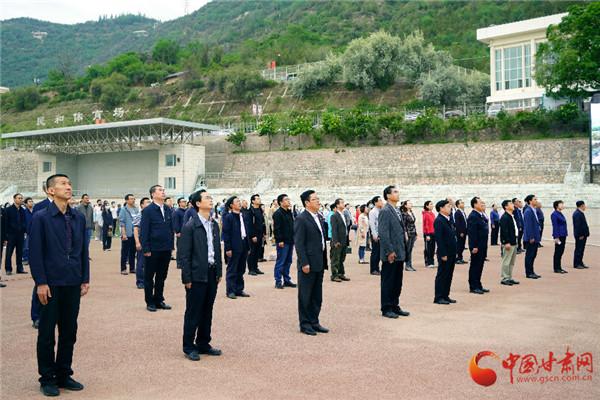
x,y
460,222
507,230
192,251
307,240
14,221
232,232
339,229
580,225
445,237
478,231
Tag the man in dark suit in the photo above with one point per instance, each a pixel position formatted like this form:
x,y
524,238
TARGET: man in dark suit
x,y
392,239
581,230
508,239
156,228
339,242
257,236
309,240
445,238
236,238
2,240
178,215
460,224
478,232
540,216
531,236
199,253
518,214
16,227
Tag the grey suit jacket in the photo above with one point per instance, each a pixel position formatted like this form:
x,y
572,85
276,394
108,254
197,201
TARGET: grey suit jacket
x,y
391,233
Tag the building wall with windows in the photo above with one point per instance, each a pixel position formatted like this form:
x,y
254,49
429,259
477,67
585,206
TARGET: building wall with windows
x,y
179,166
513,48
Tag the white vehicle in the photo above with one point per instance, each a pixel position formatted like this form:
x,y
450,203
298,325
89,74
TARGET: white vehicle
x,y
411,116
494,109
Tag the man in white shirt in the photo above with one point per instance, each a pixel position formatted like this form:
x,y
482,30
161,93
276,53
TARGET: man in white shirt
x,y
373,226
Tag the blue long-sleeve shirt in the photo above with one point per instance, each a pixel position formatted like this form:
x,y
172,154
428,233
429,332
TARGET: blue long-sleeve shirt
x,y
559,224
57,258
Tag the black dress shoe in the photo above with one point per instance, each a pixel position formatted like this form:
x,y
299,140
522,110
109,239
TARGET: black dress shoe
x,y
2,284
537,276
390,314
576,267
441,301
343,277
10,272
139,285
321,329
289,284
259,272
231,296
163,306
477,291
451,301
22,272
484,290
253,273
49,390
278,285
308,331
151,307
36,324
409,268
70,384
514,282
532,276
506,282
262,260
562,271
192,355
211,352
375,273
401,312
584,266
243,294
460,262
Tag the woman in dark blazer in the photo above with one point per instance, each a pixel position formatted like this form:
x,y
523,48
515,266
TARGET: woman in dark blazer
x,y
559,233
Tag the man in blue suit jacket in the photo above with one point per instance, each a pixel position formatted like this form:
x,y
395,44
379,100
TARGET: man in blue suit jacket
x,y
478,231
156,228
532,236
460,224
15,227
445,239
236,233
581,230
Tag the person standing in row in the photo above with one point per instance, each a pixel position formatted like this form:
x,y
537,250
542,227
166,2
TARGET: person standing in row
x,y
559,234
157,245
126,216
283,232
88,212
15,228
107,227
199,253
114,210
428,231
257,236
393,252
373,226
311,250
236,239
581,230
460,225
28,214
445,238
2,240
408,218
362,232
540,215
518,214
495,227
478,232
508,239
339,242
178,216
137,236
531,236
60,268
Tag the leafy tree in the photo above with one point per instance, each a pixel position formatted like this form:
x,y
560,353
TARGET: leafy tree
x,y
447,85
237,137
418,57
25,99
267,126
569,62
300,125
317,77
110,91
166,51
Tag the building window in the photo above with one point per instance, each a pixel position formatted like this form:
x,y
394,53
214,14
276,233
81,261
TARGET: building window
x,y
513,70
46,166
527,50
498,63
170,183
171,160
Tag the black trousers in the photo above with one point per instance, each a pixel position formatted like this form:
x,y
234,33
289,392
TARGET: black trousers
x,y
254,255
374,260
494,234
236,266
310,297
579,250
476,269
14,242
128,254
62,310
443,278
106,238
530,254
156,268
559,249
391,285
520,239
460,246
177,262
197,322
429,250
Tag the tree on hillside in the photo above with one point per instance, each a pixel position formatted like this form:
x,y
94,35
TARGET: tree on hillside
x,y
166,51
569,62
268,127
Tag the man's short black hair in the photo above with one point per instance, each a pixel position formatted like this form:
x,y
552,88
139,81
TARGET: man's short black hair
x,y
280,198
27,199
387,191
514,199
505,203
337,202
529,198
474,201
83,195
194,198
579,203
441,204
362,208
142,200
153,189
375,199
457,202
557,203
167,198
229,202
16,194
127,196
332,207
253,197
305,196
179,199
52,178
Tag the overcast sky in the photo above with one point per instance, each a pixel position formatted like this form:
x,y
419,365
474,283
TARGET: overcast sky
x,y
74,11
